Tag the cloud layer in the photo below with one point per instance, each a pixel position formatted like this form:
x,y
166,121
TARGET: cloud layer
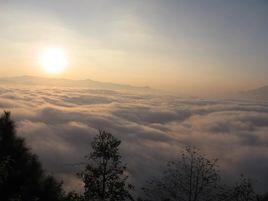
x,y
59,124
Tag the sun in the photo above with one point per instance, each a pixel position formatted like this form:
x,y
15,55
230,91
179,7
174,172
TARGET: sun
x,y
53,60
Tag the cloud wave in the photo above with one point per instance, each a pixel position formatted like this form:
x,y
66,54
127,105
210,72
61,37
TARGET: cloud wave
x,y
59,124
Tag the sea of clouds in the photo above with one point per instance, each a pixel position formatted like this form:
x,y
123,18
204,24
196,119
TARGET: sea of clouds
x,y
60,122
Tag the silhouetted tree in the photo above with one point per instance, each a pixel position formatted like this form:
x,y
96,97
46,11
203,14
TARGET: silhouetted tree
x,y
191,178
105,176
22,178
73,196
264,197
243,190
4,164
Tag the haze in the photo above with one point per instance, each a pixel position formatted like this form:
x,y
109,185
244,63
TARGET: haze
x,y
135,82
192,47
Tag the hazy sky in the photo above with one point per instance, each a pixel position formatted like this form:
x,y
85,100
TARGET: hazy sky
x,y
186,46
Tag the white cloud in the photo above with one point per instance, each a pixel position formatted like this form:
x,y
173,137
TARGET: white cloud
x,y
59,124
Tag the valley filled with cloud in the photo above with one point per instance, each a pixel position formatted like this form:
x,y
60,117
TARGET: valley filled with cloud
x,y
60,122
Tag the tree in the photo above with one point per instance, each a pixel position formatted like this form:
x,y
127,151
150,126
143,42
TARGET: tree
x,y
243,190
73,196
191,178
4,164
22,177
264,197
104,176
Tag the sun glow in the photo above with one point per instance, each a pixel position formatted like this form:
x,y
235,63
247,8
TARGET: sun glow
x,y
53,60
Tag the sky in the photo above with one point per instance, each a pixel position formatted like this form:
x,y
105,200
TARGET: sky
x,y
193,47
198,48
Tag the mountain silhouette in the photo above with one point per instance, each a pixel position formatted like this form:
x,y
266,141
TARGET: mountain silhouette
x,y
260,94
58,82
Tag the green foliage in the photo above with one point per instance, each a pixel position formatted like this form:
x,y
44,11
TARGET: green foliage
x,y
104,176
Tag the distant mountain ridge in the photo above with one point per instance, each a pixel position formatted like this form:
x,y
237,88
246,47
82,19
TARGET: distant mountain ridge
x,y
260,93
42,81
